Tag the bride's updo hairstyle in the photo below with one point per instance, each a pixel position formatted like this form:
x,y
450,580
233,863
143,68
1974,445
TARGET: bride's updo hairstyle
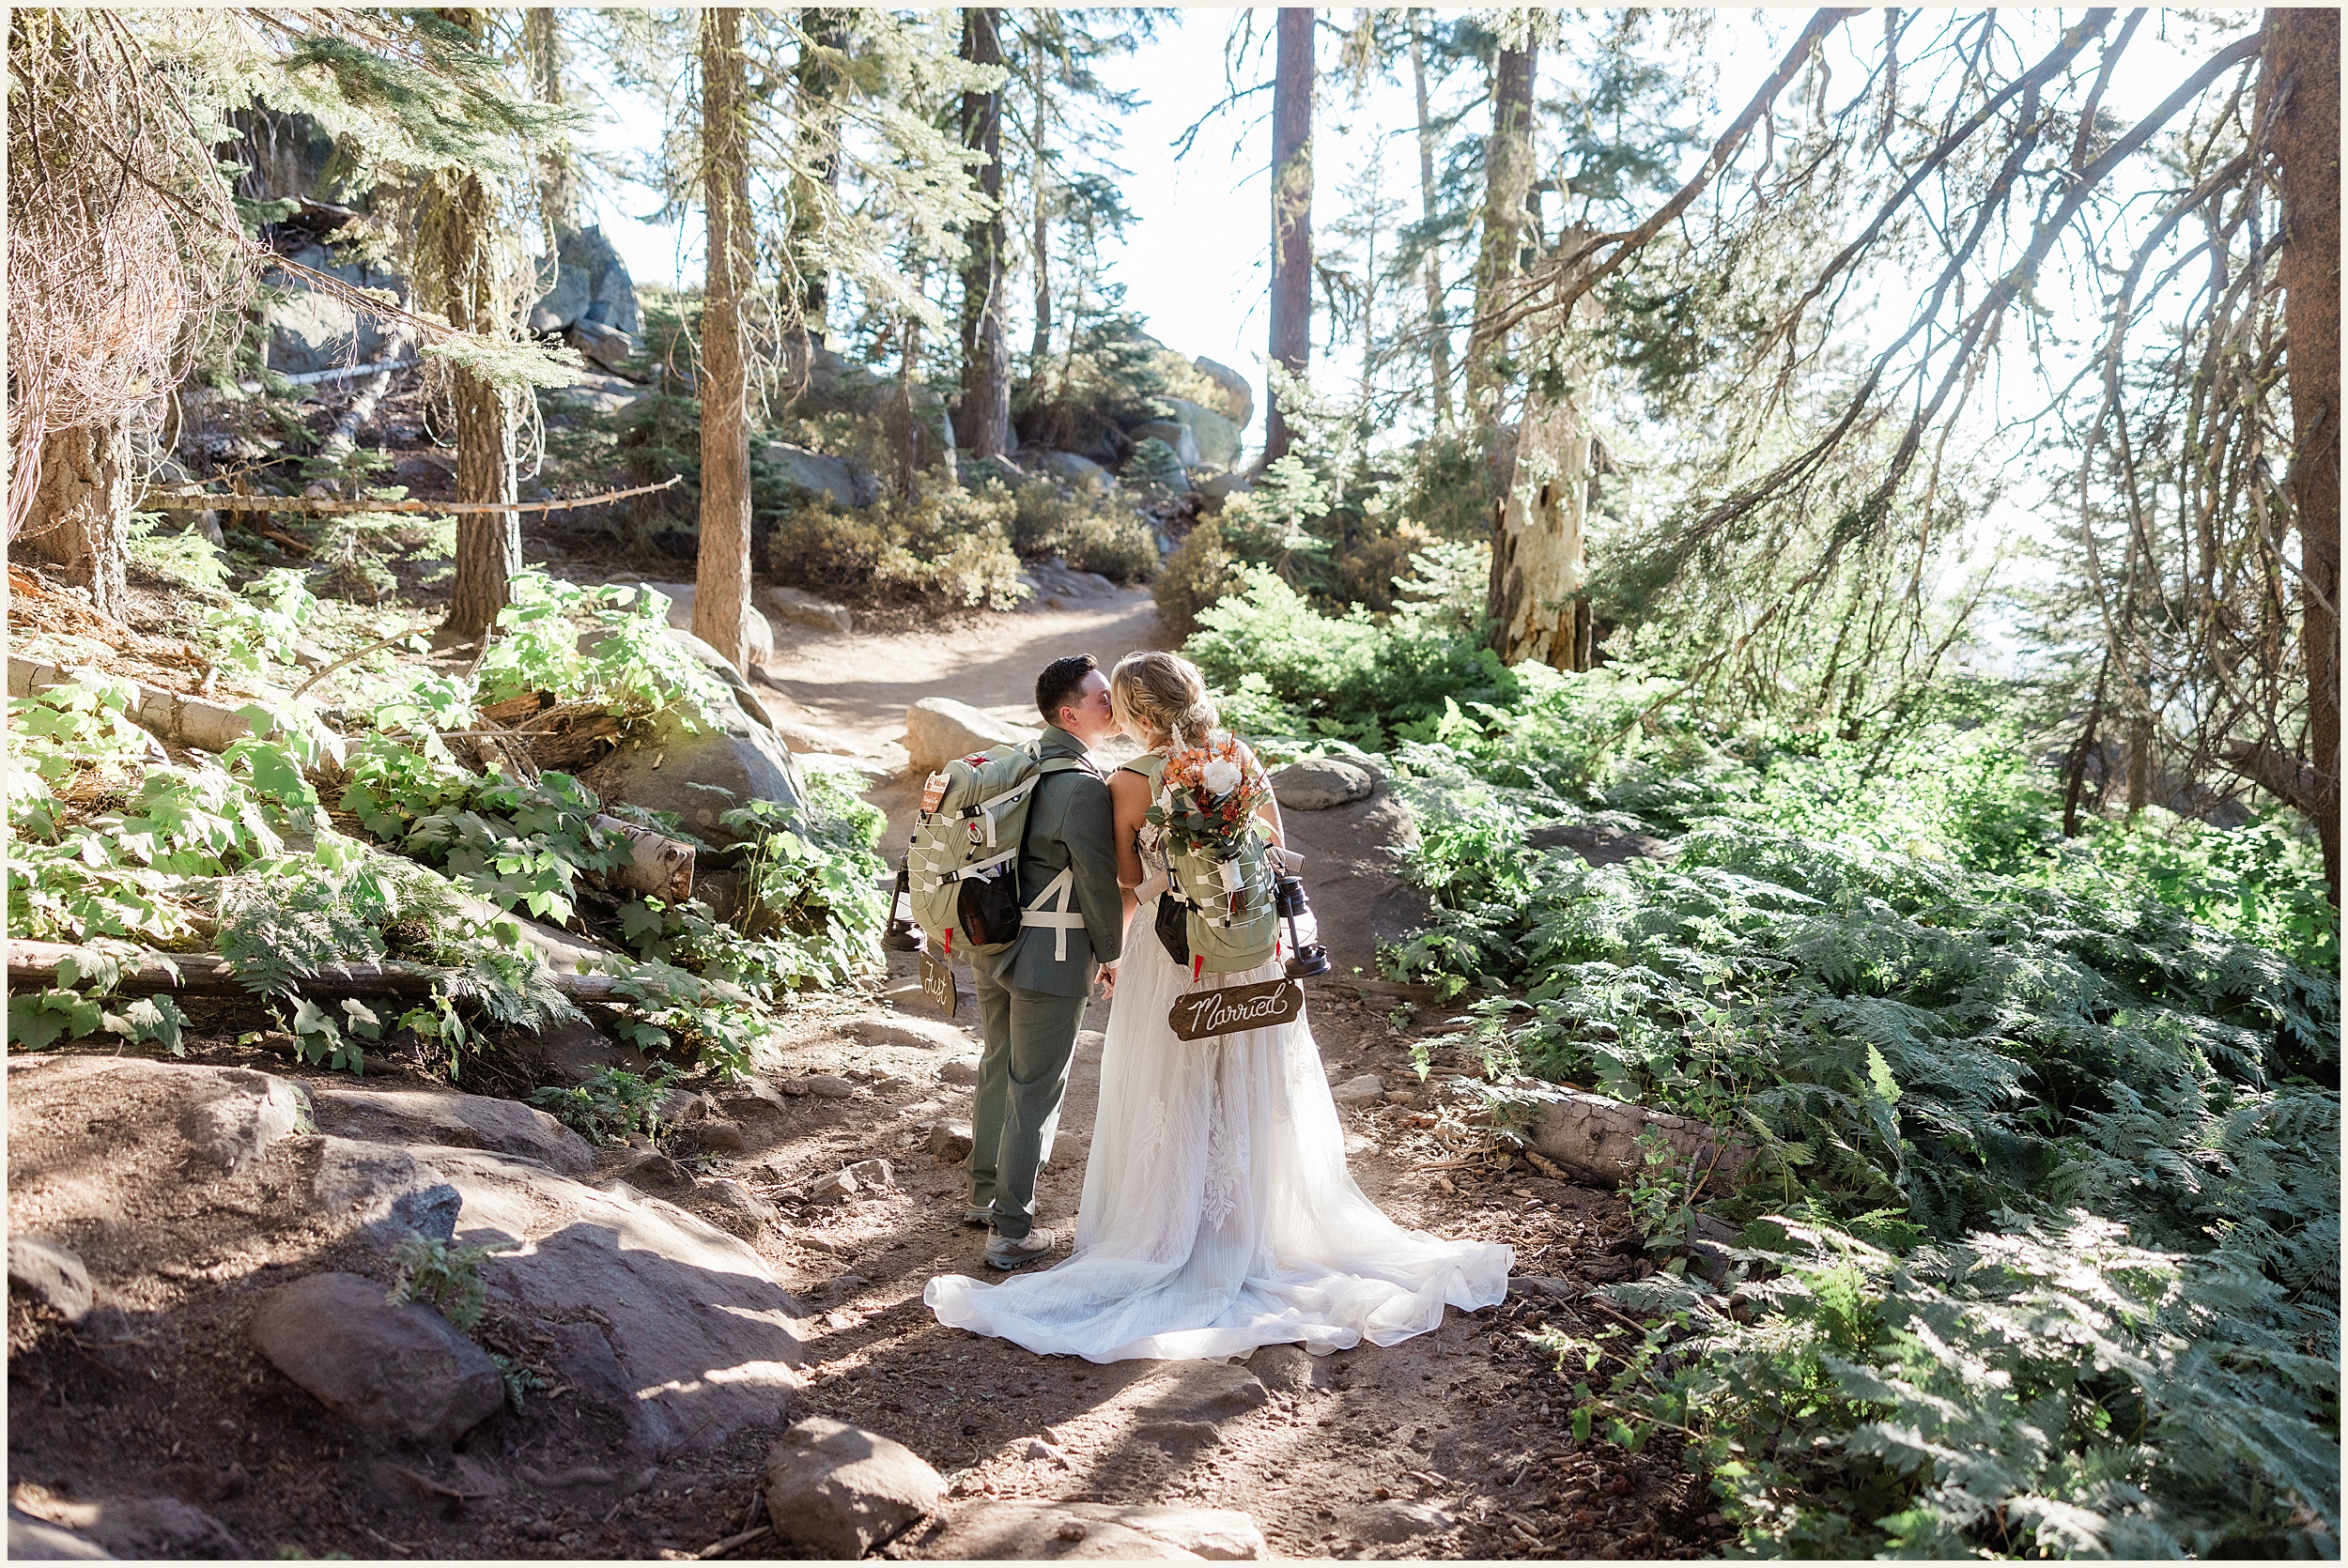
x,y
1160,699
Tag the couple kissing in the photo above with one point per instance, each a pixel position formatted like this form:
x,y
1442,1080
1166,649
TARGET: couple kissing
x,y
1217,1213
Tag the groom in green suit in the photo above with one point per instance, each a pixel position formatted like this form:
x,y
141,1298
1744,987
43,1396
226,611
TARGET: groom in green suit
x,y
1031,996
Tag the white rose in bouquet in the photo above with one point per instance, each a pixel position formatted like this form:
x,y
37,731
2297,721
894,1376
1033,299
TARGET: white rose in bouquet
x,y
1220,776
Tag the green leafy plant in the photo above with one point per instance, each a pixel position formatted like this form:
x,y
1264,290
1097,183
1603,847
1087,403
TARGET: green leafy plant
x,y
608,1103
442,1275
1662,1194
184,555
259,630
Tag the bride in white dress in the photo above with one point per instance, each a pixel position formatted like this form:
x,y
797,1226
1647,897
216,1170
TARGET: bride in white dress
x,y
1217,1214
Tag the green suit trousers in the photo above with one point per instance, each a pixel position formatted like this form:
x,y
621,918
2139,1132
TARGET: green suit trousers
x,y
1023,1074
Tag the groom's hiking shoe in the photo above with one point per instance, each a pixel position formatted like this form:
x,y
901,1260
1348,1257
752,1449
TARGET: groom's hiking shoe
x,y
1006,1252
979,1214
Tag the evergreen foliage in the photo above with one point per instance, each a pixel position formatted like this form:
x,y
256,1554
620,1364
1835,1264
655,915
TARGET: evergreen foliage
x,y
2042,1230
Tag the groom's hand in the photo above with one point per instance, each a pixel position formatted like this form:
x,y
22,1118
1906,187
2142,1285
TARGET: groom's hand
x,y
1108,979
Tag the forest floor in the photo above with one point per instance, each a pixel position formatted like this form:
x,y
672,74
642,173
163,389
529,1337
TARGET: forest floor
x,y
1453,1444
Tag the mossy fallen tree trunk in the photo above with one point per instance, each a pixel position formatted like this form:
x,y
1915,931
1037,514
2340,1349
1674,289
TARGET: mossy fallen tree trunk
x,y
35,964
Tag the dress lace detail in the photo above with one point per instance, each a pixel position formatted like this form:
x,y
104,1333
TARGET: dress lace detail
x,y
1218,1214
1224,1176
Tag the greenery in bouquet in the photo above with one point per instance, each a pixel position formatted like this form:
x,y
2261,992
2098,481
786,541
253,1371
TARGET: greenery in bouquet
x,y
1212,792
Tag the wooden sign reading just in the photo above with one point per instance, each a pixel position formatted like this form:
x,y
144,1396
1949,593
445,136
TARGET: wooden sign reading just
x,y
937,984
1204,1014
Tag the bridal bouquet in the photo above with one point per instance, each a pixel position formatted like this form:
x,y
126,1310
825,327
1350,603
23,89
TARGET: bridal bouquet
x,y
1212,795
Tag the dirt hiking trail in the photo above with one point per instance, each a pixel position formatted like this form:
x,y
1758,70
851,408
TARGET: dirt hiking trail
x,y
1456,1443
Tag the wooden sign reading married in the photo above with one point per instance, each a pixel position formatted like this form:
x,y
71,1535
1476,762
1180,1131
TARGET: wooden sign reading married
x,y
1203,1015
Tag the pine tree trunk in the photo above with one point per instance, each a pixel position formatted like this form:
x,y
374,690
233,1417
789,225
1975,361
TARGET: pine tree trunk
x,y
80,519
817,186
558,176
722,578
985,353
1292,212
1537,554
2303,63
1438,323
1508,184
2140,764
488,544
1040,350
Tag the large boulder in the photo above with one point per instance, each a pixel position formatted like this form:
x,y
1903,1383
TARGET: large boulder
x,y
1214,440
842,1490
1070,467
1236,401
806,609
308,331
797,468
403,1371
591,283
1319,783
938,729
762,633
1176,434
701,774
826,383
661,1317
596,393
456,1120
601,344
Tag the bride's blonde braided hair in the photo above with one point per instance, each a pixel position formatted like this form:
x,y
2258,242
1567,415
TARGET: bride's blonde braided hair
x,y
1160,699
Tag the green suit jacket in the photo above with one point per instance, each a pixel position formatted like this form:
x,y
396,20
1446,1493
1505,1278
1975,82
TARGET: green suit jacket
x,y
1069,828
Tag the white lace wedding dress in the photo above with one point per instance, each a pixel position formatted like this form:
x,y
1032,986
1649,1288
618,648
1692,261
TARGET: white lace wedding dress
x,y
1217,1212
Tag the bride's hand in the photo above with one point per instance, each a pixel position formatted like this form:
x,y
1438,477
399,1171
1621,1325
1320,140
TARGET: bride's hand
x,y
1108,979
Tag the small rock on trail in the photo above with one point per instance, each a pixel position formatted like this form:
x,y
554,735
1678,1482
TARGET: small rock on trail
x,y
842,1490
50,1275
401,1370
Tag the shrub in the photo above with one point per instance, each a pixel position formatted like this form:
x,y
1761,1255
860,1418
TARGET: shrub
x,y
1354,676
608,1103
943,549
1091,531
1198,573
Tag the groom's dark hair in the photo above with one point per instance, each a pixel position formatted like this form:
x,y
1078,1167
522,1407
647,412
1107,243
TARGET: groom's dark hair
x,y
1058,685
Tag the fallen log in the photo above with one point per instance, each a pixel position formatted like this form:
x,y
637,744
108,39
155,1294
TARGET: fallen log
x,y
663,867
195,722
36,963
1597,1140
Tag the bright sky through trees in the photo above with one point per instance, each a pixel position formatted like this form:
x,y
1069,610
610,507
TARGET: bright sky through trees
x,y
1193,265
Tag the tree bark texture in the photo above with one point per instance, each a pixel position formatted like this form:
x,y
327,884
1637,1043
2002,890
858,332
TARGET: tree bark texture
x,y
985,352
2302,63
1292,211
80,520
558,173
721,576
1438,321
1040,349
816,189
1507,185
1538,568
488,544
